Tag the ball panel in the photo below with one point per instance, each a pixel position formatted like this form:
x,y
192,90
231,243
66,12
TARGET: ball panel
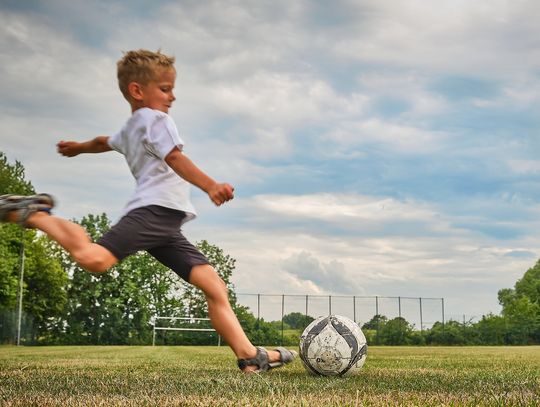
x,y
306,339
356,362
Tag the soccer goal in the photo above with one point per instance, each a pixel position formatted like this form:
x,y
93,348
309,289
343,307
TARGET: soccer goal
x,y
188,320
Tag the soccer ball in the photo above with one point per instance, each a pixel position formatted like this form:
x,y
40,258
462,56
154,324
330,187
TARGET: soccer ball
x,y
333,346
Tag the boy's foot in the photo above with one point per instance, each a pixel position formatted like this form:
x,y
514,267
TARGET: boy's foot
x,y
262,361
18,208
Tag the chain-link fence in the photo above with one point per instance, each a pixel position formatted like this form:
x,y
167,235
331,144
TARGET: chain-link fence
x,y
420,312
17,329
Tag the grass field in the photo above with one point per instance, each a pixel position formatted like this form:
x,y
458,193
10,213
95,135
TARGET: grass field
x,y
200,376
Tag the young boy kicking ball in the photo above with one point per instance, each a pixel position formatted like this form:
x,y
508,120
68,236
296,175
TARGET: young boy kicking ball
x,y
160,205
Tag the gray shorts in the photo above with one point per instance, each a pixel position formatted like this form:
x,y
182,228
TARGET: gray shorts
x,y
155,229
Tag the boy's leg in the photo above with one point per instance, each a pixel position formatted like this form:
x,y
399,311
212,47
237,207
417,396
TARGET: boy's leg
x,y
222,316
73,238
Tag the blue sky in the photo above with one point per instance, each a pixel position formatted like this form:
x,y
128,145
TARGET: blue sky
x,y
376,147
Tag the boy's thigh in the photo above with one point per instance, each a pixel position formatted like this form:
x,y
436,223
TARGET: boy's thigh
x,y
179,255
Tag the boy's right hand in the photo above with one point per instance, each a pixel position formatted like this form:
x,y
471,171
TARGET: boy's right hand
x,y
221,193
68,148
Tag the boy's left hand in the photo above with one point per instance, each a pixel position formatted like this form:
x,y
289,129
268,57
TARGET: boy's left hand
x,y
221,193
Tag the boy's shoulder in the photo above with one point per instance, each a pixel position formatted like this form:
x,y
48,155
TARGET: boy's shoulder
x,y
146,117
150,122
146,112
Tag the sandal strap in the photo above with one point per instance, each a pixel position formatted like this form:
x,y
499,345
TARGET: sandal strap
x,y
24,213
44,199
260,360
285,356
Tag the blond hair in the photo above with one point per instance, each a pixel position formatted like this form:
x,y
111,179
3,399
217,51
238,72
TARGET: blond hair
x,y
141,66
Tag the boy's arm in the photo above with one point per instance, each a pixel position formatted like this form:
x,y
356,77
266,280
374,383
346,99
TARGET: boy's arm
x,y
73,148
184,167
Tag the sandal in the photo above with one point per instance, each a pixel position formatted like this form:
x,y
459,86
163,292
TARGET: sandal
x,y
261,359
24,206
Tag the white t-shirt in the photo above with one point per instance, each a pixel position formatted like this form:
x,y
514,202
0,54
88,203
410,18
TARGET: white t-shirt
x,y
145,140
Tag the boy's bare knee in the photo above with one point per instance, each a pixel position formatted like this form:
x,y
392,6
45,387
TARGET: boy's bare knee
x,y
94,259
96,268
92,265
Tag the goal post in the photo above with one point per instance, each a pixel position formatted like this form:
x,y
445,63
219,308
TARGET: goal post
x,y
172,328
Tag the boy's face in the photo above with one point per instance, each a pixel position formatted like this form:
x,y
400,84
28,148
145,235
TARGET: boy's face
x,y
158,93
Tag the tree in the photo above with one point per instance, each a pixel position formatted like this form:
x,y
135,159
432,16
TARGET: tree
x,y
529,285
10,249
376,322
45,289
449,333
372,328
44,280
521,308
12,178
491,330
522,317
297,320
12,181
396,331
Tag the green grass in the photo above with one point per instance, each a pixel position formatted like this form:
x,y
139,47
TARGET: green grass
x,y
200,376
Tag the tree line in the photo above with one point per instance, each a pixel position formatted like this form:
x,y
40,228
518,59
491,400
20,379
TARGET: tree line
x,y
63,304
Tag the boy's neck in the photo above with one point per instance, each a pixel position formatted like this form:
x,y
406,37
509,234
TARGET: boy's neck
x,y
135,107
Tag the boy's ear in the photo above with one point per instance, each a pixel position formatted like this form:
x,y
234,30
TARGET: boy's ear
x,y
135,90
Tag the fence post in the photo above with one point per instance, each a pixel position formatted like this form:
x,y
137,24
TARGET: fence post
x,y
258,307
377,314
329,305
354,307
282,315
307,298
421,319
21,280
442,307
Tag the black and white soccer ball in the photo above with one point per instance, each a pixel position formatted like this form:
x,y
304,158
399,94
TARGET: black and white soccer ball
x,y
333,346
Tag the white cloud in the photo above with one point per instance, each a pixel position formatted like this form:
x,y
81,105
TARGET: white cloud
x,y
331,277
407,86
291,101
396,137
454,37
342,207
524,166
53,74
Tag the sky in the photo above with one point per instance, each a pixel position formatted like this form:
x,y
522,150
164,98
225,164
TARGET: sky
x,y
377,148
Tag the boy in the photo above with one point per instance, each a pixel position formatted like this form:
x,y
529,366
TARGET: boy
x,y
160,205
